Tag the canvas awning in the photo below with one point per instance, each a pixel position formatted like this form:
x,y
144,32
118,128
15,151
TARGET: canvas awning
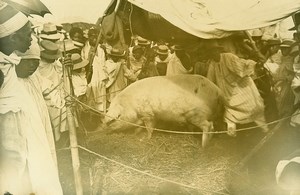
x,y
210,19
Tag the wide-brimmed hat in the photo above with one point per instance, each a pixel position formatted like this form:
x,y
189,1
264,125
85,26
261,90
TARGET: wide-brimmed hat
x,y
162,50
116,52
287,43
273,41
49,50
78,62
50,32
67,45
143,42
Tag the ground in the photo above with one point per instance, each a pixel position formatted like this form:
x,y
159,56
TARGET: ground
x,y
178,158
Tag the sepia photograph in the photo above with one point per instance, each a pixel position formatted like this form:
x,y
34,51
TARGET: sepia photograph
x,y
149,97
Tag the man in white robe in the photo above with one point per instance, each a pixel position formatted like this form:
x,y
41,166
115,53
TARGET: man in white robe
x,y
26,164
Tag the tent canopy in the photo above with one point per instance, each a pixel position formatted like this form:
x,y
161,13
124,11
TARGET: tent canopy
x,y
210,19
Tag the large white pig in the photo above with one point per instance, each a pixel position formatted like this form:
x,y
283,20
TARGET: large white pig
x,y
190,99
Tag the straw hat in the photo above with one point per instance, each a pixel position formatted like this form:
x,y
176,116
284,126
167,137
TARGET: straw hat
x,y
50,32
78,62
137,47
287,43
116,52
67,45
273,41
143,42
49,50
162,50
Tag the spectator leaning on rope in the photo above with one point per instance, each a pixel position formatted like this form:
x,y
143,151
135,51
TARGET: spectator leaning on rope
x,y
26,165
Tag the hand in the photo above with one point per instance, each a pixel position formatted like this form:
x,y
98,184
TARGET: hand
x,y
67,61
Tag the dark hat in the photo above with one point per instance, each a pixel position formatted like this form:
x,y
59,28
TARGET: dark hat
x,y
273,41
162,50
287,43
142,41
49,50
78,62
116,52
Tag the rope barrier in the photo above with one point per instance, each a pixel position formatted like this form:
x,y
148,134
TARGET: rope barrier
x,y
145,173
176,132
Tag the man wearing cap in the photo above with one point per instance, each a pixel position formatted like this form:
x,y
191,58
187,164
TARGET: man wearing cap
x,y
24,156
52,86
162,59
232,75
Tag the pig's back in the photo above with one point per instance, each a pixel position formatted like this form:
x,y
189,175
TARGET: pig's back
x,y
164,96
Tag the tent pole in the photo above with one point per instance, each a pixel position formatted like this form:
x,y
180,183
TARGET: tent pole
x,y
72,129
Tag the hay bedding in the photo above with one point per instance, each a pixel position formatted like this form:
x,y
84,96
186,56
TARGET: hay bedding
x,y
179,158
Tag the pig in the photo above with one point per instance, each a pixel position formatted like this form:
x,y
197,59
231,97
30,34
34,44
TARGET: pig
x,y
187,99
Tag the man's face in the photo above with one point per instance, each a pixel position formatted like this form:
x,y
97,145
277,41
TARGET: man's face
x,y
93,39
22,38
137,54
274,49
27,67
78,37
162,57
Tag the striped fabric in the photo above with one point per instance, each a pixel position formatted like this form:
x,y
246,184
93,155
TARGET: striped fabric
x,y
11,20
232,75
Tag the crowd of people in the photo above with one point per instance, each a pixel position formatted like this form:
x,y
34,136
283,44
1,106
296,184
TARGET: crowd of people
x,y
254,75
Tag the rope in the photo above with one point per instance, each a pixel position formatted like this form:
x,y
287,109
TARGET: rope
x,y
177,132
145,173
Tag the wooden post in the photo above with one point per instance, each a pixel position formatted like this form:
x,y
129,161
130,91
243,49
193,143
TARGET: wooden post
x,y
72,131
241,164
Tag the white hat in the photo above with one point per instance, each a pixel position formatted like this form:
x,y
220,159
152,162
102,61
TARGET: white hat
x,y
11,20
281,167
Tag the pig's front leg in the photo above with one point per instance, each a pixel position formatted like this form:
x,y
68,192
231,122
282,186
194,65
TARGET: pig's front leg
x,y
149,122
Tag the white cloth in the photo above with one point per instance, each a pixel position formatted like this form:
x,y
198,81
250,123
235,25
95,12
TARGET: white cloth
x,y
216,18
32,84
51,82
8,93
24,154
94,91
175,66
79,83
